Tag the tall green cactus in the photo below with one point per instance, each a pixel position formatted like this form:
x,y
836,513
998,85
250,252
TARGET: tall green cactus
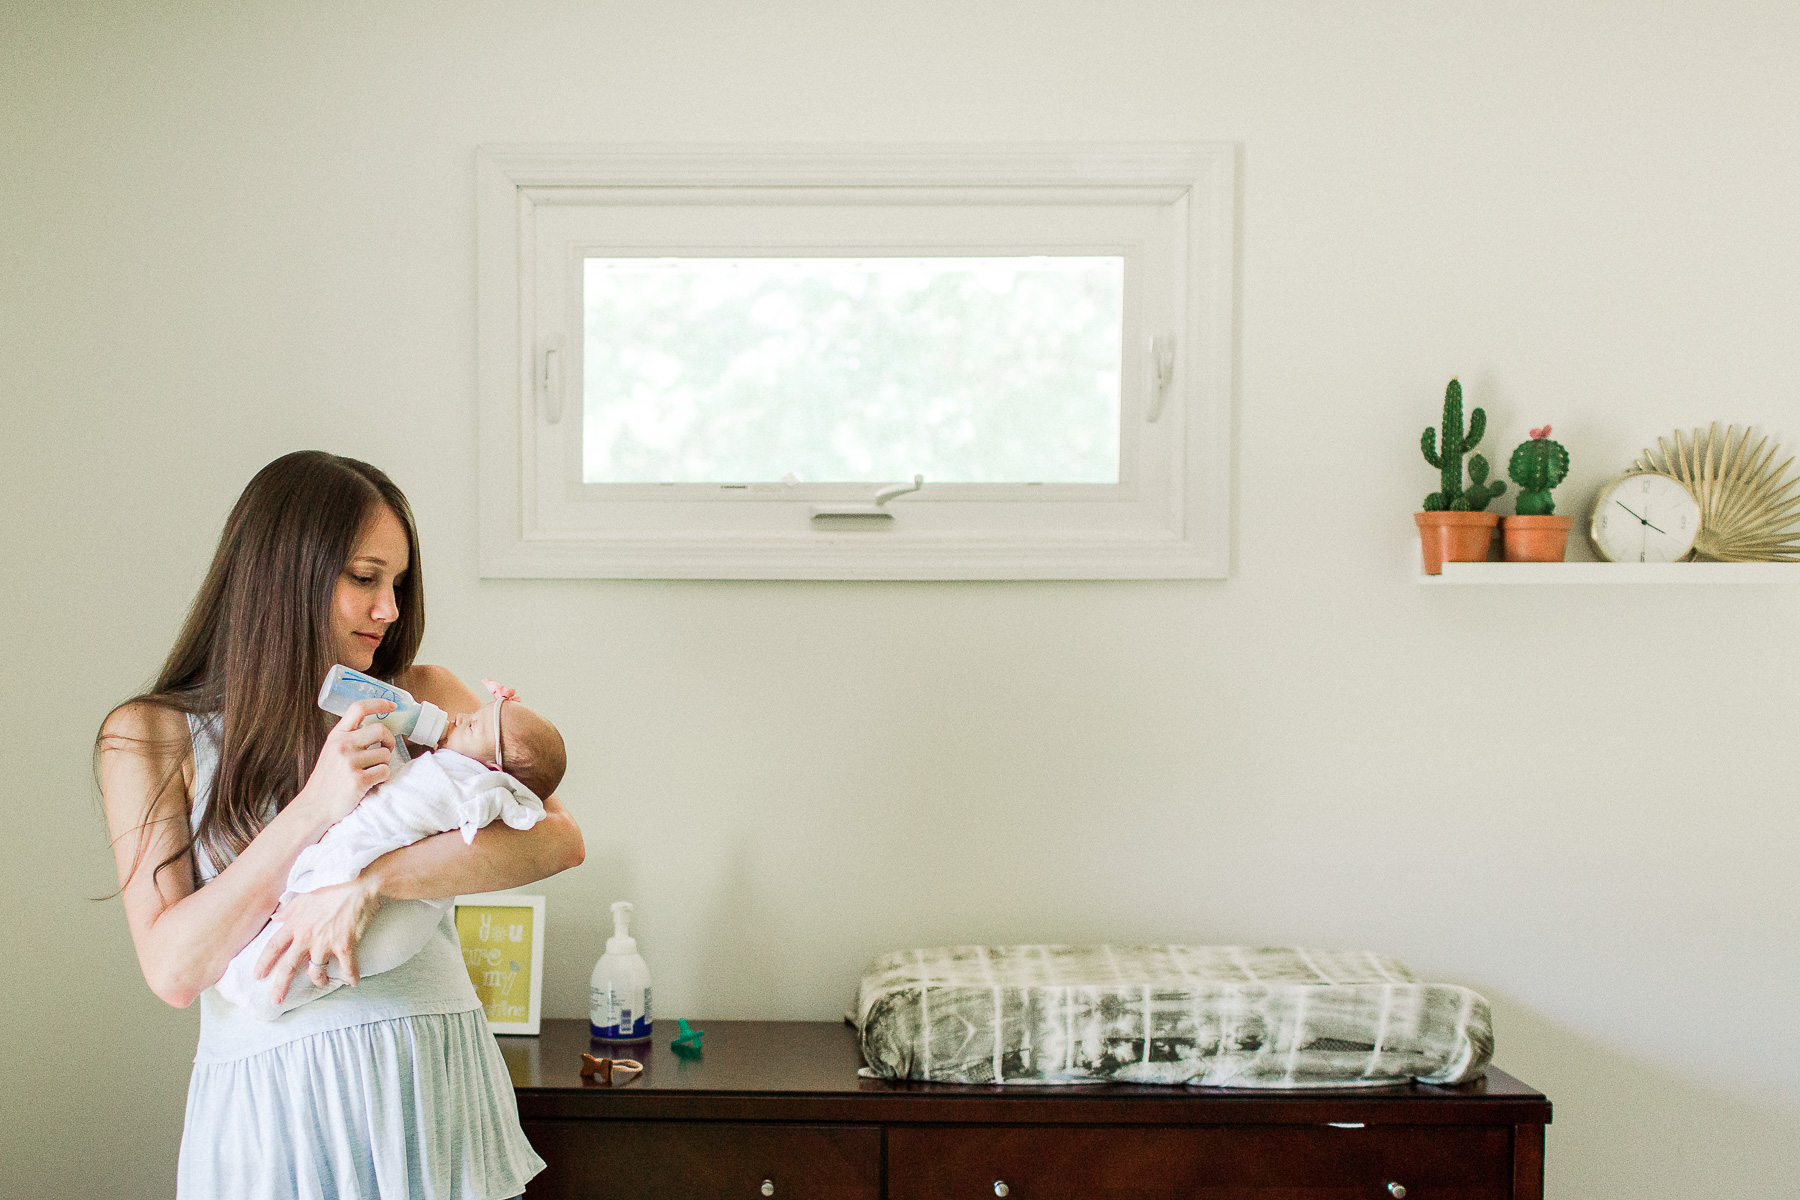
x,y
1448,459
1537,466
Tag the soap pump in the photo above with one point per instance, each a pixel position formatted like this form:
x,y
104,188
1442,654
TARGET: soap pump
x,y
619,992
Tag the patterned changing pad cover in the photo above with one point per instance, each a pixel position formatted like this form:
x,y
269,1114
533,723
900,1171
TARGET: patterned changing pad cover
x,y
1215,1016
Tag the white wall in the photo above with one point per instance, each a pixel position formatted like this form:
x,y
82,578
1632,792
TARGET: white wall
x,y
234,230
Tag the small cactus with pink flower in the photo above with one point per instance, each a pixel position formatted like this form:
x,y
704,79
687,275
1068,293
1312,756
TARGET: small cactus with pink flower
x,y
1537,466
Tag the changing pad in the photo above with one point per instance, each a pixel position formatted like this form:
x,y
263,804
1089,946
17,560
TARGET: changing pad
x,y
1217,1016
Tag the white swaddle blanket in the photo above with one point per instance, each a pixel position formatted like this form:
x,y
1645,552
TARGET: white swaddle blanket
x,y
436,792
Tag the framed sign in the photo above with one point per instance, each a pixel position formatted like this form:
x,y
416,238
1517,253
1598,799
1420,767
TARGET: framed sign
x,y
502,938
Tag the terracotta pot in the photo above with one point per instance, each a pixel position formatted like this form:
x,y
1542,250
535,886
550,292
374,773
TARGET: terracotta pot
x,y
1534,539
1454,537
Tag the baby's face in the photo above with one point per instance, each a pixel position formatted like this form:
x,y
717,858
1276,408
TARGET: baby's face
x,y
473,734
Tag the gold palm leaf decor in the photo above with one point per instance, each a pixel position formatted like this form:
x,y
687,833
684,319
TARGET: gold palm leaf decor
x,y
1749,508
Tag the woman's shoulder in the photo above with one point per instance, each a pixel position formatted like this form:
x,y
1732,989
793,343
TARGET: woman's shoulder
x,y
440,686
154,728
142,745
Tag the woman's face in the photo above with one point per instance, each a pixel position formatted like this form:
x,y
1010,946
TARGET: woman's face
x,y
363,606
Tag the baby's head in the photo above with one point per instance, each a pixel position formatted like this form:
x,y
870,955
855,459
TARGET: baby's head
x,y
526,745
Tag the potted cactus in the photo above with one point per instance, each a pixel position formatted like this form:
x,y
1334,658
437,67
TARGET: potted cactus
x,y
1455,526
1536,534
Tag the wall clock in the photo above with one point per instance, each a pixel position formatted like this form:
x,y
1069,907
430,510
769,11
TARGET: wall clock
x,y
1644,517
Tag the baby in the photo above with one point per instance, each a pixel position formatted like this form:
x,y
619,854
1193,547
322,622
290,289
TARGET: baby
x,y
491,764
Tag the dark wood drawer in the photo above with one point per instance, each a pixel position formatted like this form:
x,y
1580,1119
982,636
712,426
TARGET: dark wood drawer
x,y
704,1160
1252,1162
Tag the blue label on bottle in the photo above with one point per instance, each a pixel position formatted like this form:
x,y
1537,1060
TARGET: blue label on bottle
x,y
357,686
618,1022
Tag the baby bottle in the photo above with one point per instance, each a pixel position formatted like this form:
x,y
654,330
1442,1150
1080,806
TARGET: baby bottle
x,y
419,721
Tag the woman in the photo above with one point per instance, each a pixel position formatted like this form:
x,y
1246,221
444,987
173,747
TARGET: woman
x,y
218,777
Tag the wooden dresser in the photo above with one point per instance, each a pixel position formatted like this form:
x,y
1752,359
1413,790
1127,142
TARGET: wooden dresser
x,y
775,1108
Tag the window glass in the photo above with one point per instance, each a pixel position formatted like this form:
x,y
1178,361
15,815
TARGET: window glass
x,y
961,369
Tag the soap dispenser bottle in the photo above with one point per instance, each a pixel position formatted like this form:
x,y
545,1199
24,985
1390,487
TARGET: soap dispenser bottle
x,y
619,992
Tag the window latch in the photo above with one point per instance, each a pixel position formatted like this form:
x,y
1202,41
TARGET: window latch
x,y
550,377
877,510
1162,367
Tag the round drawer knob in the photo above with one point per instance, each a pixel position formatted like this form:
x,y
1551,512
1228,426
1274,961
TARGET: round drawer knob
x,y
1397,1191
768,1188
1000,1188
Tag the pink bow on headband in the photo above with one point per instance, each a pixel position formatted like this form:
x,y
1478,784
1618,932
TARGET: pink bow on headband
x,y
500,690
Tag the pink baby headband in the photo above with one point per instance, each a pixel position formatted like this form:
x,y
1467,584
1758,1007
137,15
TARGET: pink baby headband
x,y
502,693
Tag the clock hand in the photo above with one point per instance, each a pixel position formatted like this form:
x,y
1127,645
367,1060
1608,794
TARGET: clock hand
x,y
1641,520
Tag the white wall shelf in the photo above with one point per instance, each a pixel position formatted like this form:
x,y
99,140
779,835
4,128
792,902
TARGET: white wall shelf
x,y
1603,572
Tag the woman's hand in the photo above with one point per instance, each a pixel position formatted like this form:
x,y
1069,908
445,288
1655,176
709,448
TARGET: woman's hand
x,y
352,761
317,927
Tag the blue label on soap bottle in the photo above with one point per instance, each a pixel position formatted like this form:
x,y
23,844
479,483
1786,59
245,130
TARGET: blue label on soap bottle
x,y
623,1025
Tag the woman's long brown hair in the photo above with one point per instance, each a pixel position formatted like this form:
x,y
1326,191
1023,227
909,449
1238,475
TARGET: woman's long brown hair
x,y
256,644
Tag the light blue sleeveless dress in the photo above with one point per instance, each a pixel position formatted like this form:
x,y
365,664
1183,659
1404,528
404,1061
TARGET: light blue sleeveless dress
x,y
394,1088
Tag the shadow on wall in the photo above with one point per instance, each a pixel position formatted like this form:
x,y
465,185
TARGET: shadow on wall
x,y
737,945
1627,1130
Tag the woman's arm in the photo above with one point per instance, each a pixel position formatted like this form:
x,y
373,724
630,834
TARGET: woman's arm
x,y
497,859
186,936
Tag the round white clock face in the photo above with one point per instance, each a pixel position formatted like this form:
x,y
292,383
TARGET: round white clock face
x,y
1644,518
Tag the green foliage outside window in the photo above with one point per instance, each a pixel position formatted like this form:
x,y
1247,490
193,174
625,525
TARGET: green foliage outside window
x,y
963,370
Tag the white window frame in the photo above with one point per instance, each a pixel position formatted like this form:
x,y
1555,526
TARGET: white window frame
x,y
1169,209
